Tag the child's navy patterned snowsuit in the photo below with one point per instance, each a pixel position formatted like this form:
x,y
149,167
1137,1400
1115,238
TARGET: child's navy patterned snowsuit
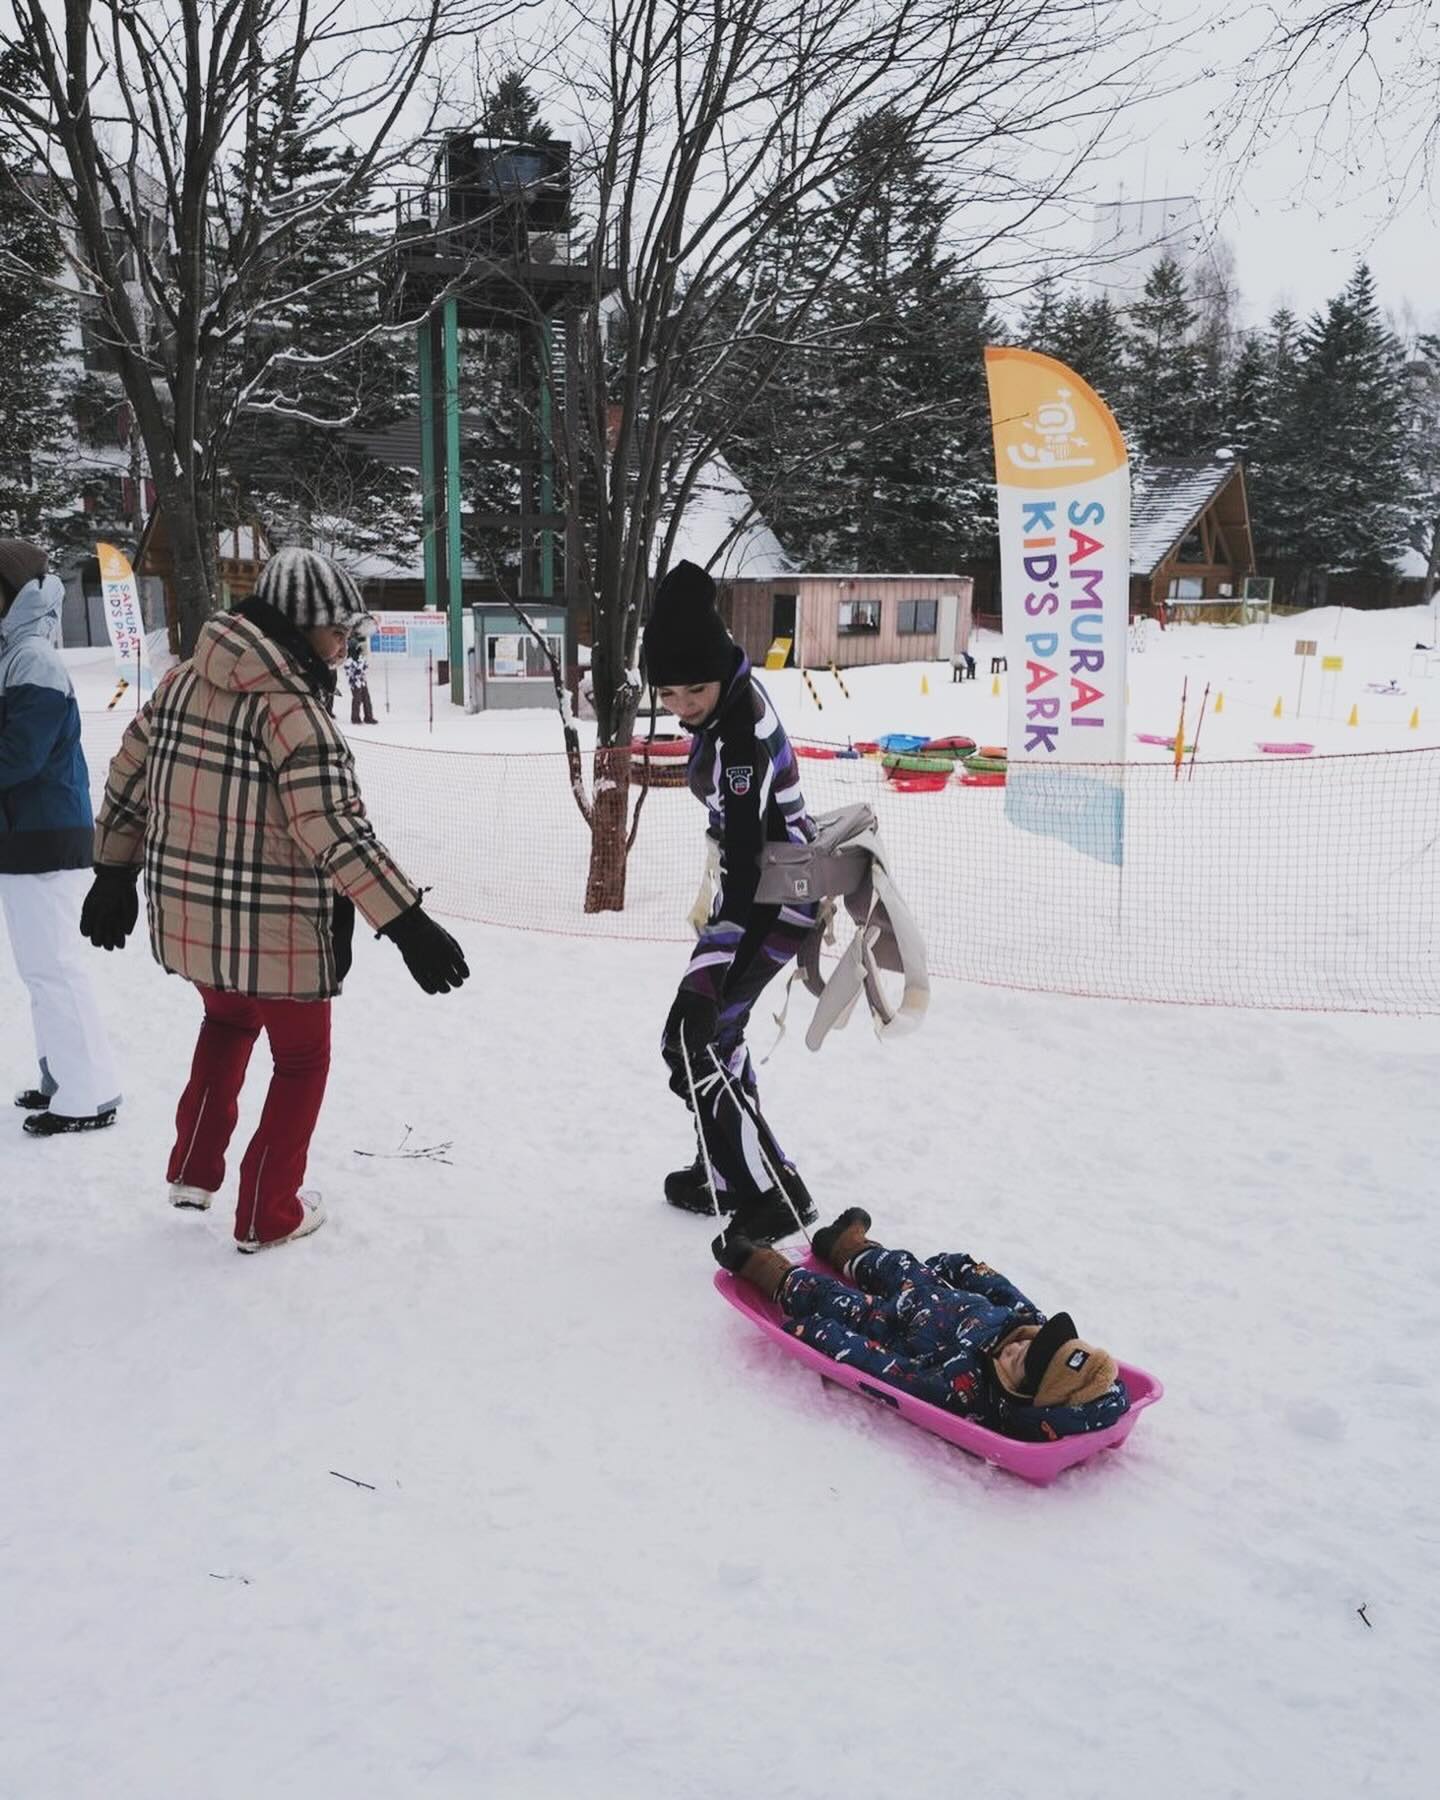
x,y
931,1328
743,768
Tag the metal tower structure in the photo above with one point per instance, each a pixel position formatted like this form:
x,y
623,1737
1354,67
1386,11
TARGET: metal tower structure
x,y
486,245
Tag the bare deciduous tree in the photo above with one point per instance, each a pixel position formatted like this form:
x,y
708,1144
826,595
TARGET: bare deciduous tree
x,y
1339,75
163,121
708,136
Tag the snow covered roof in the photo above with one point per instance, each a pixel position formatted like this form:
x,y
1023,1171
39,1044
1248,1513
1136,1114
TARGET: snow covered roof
x,y
1165,501
717,502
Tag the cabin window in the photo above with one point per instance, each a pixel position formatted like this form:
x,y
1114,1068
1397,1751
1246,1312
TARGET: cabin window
x,y
858,617
918,616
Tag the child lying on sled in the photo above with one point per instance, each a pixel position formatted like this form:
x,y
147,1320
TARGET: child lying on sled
x,y
949,1330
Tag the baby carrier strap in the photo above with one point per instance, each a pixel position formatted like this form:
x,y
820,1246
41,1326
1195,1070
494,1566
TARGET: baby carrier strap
x,y
833,864
847,862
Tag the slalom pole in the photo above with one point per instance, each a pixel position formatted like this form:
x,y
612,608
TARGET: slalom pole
x,y
744,1104
1190,772
699,1128
1180,728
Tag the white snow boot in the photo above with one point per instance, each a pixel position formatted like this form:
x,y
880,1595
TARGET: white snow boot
x,y
314,1218
197,1199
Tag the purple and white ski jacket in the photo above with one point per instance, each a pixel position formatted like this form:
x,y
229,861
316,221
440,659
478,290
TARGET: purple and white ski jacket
x,y
743,769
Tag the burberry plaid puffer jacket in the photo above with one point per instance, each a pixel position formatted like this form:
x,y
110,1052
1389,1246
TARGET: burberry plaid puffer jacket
x,y
239,795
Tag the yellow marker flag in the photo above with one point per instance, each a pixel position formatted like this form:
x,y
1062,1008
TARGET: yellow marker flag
x,y
1415,719
1219,705
1279,710
1354,718
924,684
995,688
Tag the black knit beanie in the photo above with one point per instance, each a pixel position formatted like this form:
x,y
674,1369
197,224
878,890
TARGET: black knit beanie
x,y
685,639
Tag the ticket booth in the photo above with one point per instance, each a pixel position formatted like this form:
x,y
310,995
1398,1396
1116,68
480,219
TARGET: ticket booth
x,y
509,668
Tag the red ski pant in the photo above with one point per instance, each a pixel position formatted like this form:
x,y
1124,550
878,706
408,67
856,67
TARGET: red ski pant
x,y
274,1163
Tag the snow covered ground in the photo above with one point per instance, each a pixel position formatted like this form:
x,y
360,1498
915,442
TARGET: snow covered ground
x,y
614,1544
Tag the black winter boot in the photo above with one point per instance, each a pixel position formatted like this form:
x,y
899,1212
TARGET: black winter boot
x,y
52,1124
688,1190
33,1100
768,1217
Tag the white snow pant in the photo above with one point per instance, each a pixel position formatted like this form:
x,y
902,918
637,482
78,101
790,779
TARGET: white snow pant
x,y
42,915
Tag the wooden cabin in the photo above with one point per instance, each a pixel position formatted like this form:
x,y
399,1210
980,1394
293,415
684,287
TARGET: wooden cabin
x,y
848,620
1190,544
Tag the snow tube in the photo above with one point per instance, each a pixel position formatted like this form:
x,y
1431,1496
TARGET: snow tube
x,y
1287,749
920,765
866,747
998,751
949,746
1037,1463
1153,737
820,752
658,747
903,743
987,778
905,781
986,765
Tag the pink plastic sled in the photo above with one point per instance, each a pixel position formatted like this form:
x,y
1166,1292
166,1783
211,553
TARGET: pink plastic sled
x,y
1037,1463
1287,749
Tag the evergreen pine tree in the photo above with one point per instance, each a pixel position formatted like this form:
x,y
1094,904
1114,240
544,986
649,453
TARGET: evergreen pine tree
x,y
1424,370
298,460
1090,339
1162,368
1348,440
1264,426
1040,319
891,393
37,476
511,113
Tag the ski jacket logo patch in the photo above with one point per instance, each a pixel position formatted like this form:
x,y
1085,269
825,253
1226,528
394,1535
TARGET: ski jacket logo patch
x,y
738,779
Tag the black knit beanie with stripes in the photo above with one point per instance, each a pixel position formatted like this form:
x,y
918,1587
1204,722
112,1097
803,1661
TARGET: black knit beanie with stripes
x,y
309,590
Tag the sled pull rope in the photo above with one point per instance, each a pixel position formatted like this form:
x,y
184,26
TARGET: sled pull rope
x,y
743,1103
699,1128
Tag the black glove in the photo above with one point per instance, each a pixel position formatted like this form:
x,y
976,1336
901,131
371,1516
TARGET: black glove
x,y
431,955
697,1017
111,907
342,933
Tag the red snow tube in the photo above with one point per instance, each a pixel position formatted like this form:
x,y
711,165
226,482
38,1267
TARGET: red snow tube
x,y
948,746
658,747
996,779
819,751
660,763
916,781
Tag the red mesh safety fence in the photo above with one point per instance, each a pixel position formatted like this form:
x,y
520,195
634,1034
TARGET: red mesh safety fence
x,y
1306,883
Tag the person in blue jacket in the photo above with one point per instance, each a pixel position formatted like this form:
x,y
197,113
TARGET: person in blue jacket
x,y
949,1330
46,838
743,771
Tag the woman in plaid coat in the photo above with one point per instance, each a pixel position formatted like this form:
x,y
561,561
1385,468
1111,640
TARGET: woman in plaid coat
x,y
237,793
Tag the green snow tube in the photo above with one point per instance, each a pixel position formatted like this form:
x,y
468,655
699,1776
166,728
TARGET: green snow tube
x,y
920,765
986,765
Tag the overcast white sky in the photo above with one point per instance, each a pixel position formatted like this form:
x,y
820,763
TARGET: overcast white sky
x,y
1295,238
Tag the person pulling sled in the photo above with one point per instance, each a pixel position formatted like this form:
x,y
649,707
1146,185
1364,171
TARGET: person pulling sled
x,y
744,772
